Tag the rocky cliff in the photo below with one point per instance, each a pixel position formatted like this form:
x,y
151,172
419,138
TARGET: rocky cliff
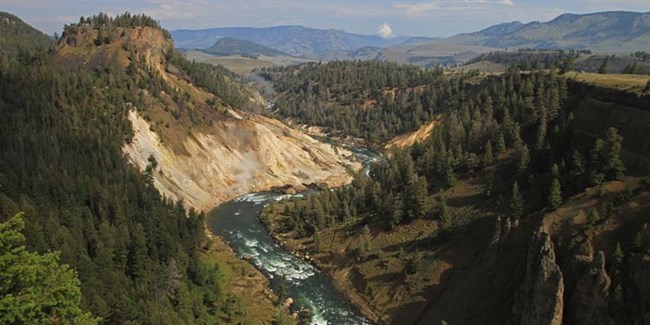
x,y
541,296
199,148
249,153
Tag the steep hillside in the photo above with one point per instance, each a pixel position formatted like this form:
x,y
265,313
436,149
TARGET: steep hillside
x,y
231,46
205,150
295,40
134,253
617,32
14,33
526,205
375,101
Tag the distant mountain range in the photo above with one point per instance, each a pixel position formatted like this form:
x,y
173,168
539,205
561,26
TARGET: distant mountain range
x,y
615,31
294,40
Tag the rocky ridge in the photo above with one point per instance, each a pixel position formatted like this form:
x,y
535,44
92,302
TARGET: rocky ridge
x,y
228,153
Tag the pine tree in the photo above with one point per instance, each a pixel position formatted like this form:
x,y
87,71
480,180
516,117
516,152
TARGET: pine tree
x,y
318,245
555,195
501,143
398,212
364,242
419,201
450,177
577,164
603,66
618,253
516,202
488,157
593,217
555,171
282,289
614,166
596,162
445,217
523,159
34,288
567,64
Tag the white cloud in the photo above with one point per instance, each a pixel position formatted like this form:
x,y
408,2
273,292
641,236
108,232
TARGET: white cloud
x,y
385,30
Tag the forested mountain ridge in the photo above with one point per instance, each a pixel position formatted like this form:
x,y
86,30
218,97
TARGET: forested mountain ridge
x,y
520,192
14,33
113,90
187,115
370,100
62,166
615,31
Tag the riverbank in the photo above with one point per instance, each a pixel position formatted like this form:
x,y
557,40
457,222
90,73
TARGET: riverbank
x,y
251,293
337,273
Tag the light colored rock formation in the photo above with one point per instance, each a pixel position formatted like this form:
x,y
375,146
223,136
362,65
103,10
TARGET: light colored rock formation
x,y
409,139
238,156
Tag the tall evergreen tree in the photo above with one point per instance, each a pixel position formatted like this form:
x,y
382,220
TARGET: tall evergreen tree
x,y
516,202
444,217
488,156
614,166
555,195
34,288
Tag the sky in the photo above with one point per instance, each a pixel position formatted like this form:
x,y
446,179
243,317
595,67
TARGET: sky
x,y
384,18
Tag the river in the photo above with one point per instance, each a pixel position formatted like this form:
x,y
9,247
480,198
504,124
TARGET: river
x,y
238,222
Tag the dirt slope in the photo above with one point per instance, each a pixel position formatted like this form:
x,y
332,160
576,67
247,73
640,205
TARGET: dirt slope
x,y
409,139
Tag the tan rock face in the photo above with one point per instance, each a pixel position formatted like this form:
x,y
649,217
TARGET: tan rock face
x,y
253,153
409,139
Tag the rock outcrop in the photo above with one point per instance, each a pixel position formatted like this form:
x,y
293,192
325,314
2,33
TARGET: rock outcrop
x,y
237,157
540,298
590,298
638,267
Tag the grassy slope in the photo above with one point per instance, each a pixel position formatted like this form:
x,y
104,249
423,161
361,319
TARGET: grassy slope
x,y
626,82
239,64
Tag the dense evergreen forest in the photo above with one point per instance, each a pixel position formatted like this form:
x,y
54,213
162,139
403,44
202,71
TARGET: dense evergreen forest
x,y
13,44
371,100
454,217
62,166
517,120
565,61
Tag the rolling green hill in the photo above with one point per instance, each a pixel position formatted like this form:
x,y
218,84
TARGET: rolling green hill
x,y
620,32
232,46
